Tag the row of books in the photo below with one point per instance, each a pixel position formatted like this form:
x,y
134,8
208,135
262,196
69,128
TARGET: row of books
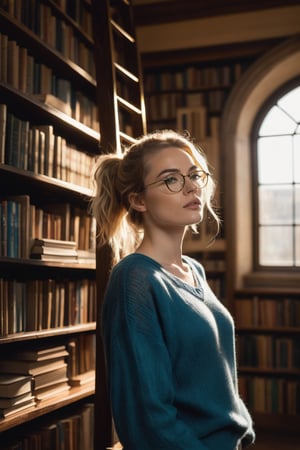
x,y
79,11
23,225
270,395
60,34
30,376
36,148
193,77
73,432
269,351
22,71
164,105
267,312
35,305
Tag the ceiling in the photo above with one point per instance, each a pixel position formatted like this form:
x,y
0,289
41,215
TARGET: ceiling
x,y
149,12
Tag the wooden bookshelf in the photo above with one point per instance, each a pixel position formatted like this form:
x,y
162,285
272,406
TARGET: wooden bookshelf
x,y
49,138
48,406
268,327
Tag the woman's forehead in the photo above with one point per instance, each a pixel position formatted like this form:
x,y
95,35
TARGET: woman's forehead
x,y
169,157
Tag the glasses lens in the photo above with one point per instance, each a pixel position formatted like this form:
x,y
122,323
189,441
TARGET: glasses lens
x,y
199,177
174,182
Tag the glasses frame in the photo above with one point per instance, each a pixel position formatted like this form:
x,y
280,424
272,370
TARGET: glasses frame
x,y
189,175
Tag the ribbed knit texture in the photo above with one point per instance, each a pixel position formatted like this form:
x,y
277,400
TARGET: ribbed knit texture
x,y
171,361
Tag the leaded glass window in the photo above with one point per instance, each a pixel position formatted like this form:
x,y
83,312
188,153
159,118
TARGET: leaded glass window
x,y
278,183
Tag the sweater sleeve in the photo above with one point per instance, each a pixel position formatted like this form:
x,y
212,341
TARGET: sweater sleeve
x,y
141,381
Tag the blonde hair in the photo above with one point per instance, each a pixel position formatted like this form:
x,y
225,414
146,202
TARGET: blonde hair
x,y
117,176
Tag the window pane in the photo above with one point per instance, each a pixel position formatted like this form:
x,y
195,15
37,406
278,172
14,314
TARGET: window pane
x,y
276,246
290,103
275,205
276,123
275,162
297,158
298,246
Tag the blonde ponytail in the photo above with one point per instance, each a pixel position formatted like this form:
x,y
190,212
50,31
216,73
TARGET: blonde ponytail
x,y
109,210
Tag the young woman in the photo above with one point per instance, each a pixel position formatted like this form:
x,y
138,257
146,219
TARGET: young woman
x,y
169,341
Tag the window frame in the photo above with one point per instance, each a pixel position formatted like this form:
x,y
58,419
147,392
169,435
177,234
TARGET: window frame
x,y
265,108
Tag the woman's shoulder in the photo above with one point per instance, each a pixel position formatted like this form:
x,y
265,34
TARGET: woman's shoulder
x,y
135,263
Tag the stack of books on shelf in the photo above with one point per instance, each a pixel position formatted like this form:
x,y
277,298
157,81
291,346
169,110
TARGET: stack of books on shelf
x,y
15,393
54,250
46,368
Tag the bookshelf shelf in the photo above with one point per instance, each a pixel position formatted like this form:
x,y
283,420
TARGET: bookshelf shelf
x,y
11,263
38,111
32,180
48,406
43,334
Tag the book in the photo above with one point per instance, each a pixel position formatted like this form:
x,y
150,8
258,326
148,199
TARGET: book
x,y
46,379
44,393
54,243
46,153
23,223
53,250
11,401
3,113
27,367
42,354
38,250
55,102
15,409
13,385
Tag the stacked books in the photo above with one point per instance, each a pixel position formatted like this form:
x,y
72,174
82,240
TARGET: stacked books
x,y
46,367
15,394
54,250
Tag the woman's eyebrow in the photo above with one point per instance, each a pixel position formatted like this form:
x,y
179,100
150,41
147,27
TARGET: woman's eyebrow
x,y
165,171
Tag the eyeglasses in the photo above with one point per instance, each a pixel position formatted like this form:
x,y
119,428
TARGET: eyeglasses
x,y
176,181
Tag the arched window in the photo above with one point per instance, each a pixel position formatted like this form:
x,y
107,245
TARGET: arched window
x,y
276,178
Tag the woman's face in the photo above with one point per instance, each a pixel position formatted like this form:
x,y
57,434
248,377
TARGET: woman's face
x,y
162,207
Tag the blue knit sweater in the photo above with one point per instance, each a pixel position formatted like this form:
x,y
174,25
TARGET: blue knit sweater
x,y
171,363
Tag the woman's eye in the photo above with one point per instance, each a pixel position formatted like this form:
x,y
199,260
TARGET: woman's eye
x,y
171,180
195,176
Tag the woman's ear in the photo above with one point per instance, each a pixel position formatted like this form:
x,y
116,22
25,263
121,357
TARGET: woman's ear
x,y
137,202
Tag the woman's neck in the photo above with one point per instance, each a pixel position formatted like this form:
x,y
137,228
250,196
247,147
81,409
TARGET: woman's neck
x,y
168,253
166,248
